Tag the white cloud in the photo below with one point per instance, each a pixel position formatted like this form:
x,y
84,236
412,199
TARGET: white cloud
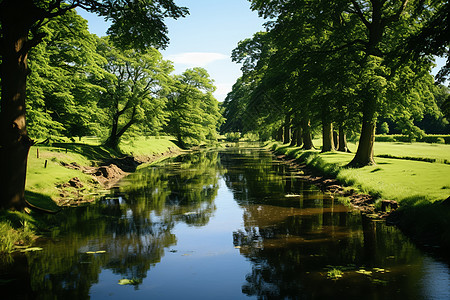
x,y
222,90
196,59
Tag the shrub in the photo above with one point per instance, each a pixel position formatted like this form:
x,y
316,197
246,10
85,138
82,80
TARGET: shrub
x,y
384,138
232,136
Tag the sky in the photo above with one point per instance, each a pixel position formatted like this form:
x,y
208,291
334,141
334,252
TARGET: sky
x,y
205,38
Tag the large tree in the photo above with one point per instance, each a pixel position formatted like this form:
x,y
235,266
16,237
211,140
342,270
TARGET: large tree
x,y
134,85
194,115
138,23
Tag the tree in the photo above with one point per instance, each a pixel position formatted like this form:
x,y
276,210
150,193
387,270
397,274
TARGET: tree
x,y
135,23
60,99
134,86
194,115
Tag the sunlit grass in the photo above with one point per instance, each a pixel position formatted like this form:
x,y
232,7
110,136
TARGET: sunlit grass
x,y
394,179
46,171
11,237
147,145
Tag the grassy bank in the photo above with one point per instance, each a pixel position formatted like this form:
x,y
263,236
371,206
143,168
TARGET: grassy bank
x,y
418,186
52,167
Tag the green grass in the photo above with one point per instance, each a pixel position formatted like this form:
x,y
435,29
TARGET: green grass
x,y
13,236
42,182
394,179
147,145
438,152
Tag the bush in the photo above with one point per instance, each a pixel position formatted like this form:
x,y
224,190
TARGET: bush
x,y
384,128
384,138
232,136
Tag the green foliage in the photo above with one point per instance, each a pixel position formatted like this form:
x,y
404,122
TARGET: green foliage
x,y
60,100
317,64
194,115
384,128
232,136
10,237
134,85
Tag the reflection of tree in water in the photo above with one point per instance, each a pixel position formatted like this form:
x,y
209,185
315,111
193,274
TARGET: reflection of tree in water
x,y
291,240
134,229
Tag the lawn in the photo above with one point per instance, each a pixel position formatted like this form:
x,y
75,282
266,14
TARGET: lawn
x,y
395,179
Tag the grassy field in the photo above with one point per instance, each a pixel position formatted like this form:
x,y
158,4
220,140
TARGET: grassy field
x,y
395,179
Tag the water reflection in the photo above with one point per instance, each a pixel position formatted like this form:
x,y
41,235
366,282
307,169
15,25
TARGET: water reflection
x,y
294,236
222,225
127,233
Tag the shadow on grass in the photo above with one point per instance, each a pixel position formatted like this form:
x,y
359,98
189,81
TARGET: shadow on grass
x,y
91,152
41,202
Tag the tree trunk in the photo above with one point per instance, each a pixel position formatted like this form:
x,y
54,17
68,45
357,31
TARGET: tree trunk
x,y
335,140
16,19
280,136
113,140
327,136
294,137
343,140
306,135
299,136
364,154
287,129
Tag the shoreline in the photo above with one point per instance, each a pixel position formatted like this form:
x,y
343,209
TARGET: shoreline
x,y
426,225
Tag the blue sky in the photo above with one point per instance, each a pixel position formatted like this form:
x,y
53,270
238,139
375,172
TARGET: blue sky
x,y
205,38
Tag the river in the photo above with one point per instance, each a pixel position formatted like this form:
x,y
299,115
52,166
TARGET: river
x,y
229,224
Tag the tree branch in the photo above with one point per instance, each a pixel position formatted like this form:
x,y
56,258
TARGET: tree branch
x,y
360,14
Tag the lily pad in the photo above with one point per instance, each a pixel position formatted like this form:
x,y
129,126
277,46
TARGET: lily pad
x,y
32,249
100,251
90,252
126,281
364,272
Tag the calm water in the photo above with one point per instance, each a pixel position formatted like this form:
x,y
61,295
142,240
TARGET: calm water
x,y
222,225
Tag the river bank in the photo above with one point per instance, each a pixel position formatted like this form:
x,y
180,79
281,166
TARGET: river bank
x,y
409,194
68,174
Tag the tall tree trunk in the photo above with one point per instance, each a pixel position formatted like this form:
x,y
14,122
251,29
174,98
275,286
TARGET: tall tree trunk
x,y
280,135
287,129
335,139
299,136
294,136
16,19
364,154
327,136
343,140
306,135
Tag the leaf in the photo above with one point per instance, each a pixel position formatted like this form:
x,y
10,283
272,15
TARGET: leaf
x,y
100,251
32,249
126,281
364,272
90,252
